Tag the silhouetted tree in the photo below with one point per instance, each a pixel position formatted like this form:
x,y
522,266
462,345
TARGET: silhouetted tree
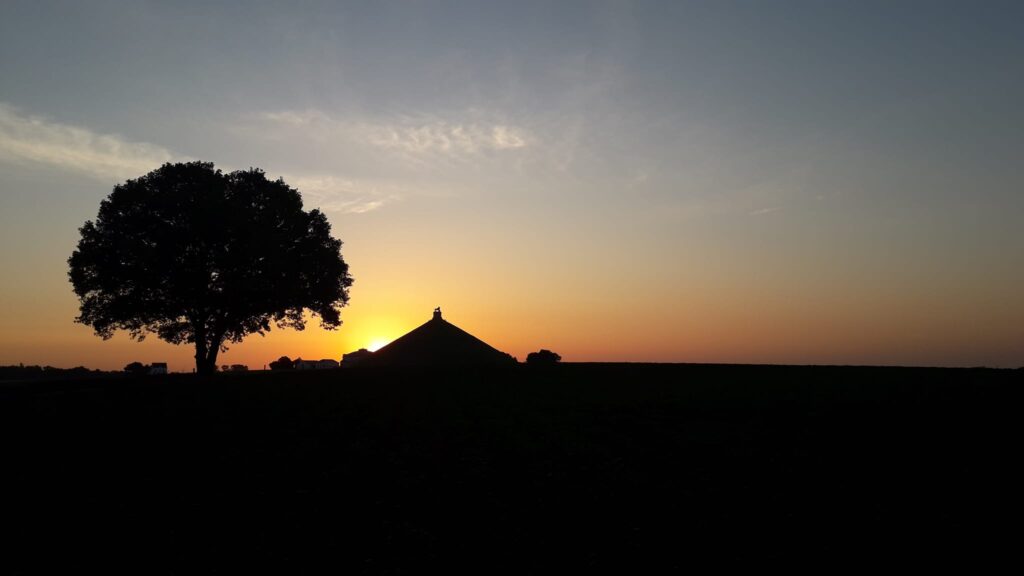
x,y
201,257
543,357
282,363
136,368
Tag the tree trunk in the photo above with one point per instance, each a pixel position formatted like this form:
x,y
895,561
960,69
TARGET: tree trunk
x,y
206,359
202,366
206,351
211,357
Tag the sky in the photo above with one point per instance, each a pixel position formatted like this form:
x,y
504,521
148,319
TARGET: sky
x,y
750,182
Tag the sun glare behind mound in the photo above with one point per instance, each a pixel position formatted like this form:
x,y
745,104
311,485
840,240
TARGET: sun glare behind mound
x,y
377,344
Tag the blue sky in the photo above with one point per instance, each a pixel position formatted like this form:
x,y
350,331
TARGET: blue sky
x,y
849,168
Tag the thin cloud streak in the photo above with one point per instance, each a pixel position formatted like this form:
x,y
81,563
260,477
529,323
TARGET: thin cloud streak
x,y
28,139
333,194
32,139
452,139
415,137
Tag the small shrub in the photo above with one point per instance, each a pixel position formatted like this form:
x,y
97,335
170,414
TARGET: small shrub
x,y
543,358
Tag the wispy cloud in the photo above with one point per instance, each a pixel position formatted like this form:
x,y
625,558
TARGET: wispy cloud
x,y
440,137
334,194
28,139
296,117
38,140
763,211
415,137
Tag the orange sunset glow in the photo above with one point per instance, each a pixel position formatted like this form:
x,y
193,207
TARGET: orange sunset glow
x,y
592,194
509,286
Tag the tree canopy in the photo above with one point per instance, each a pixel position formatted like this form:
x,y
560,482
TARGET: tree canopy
x,y
543,357
282,363
197,256
136,368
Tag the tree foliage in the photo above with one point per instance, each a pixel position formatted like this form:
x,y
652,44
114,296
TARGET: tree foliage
x,y
197,256
282,363
543,357
136,368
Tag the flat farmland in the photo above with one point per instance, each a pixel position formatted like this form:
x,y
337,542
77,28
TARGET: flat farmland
x,y
523,469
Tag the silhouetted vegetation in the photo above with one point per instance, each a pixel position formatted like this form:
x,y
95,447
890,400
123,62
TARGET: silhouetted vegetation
x,y
282,363
201,257
543,357
136,368
34,372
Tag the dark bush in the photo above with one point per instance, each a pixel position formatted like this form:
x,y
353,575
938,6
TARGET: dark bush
x,y
282,363
543,357
136,368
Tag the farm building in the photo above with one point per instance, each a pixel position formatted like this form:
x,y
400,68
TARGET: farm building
x,y
324,364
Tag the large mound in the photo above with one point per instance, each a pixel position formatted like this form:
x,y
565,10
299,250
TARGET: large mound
x,y
440,343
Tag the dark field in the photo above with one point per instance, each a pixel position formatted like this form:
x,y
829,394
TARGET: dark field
x,y
520,470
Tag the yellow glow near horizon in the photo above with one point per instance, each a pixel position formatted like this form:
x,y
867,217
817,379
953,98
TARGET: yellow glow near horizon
x,y
372,330
377,344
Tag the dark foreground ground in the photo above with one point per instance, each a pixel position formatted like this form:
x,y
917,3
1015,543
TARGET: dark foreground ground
x,y
567,469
